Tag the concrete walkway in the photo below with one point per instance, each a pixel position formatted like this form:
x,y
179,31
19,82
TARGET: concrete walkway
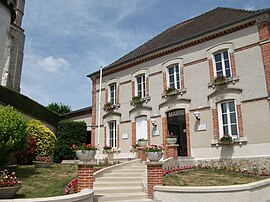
x,y
121,183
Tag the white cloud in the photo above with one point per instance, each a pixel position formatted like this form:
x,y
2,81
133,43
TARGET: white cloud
x,y
51,64
249,6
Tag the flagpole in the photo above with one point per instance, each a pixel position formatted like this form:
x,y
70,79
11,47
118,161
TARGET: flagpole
x,y
99,111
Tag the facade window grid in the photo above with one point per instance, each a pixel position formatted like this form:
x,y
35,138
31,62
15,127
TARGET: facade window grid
x,y
228,119
140,86
112,134
174,77
112,93
222,64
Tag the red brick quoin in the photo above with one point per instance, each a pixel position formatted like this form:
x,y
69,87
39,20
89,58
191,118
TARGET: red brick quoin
x,y
154,177
85,176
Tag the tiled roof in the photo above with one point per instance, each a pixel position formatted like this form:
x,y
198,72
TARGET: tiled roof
x,y
209,21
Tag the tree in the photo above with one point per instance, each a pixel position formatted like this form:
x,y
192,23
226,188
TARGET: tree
x,y
13,135
59,108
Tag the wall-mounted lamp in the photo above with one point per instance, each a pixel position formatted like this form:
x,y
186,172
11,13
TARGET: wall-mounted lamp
x,y
197,115
153,121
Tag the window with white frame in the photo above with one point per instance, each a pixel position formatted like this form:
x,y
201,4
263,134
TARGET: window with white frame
x,y
227,117
174,77
112,137
141,127
140,86
222,64
112,93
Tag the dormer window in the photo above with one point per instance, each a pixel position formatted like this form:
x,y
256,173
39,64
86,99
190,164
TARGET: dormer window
x,y
222,64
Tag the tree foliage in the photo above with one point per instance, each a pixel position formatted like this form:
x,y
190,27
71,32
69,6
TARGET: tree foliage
x,y
68,133
13,135
59,108
45,138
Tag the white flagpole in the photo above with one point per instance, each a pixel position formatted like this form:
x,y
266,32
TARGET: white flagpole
x,y
99,108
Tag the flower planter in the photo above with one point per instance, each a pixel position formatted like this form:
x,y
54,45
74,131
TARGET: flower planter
x,y
142,143
154,156
42,164
8,192
86,155
110,156
171,140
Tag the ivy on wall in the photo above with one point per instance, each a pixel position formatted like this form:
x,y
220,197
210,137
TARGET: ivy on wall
x,y
28,106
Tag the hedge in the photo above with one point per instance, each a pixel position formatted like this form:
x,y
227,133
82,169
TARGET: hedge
x,y
27,105
68,133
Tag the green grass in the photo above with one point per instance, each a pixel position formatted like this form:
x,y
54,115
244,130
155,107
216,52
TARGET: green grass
x,y
44,182
200,177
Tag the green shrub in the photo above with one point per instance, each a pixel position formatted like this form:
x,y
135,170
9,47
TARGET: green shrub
x,y
12,133
68,133
45,138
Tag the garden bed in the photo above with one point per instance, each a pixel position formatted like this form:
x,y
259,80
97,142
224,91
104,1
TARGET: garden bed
x,y
209,177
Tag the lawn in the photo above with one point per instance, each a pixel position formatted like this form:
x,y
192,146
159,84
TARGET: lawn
x,y
203,177
44,182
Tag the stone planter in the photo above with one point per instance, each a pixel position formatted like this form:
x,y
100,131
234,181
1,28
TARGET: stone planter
x,y
154,156
86,155
8,192
110,156
42,164
142,143
171,140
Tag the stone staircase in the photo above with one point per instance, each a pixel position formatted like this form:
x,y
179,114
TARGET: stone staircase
x,y
121,183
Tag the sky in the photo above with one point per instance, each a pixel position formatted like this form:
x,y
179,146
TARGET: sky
x,y
66,40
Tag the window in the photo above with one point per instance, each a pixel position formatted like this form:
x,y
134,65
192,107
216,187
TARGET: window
x,y
140,86
222,64
174,77
112,93
111,140
227,119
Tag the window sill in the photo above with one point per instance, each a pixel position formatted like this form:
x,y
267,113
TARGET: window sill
x,y
232,80
177,92
145,99
239,141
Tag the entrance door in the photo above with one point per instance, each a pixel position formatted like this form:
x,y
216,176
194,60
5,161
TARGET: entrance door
x,y
177,125
141,127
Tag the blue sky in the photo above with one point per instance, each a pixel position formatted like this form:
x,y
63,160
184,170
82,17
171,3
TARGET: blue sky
x,y
67,40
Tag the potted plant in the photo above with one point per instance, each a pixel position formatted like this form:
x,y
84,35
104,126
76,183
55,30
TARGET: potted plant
x,y
142,142
9,184
220,79
108,150
171,138
226,140
171,91
137,100
85,152
43,161
154,152
108,106
133,148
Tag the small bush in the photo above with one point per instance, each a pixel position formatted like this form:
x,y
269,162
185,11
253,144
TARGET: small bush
x,y
45,138
68,133
12,133
26,156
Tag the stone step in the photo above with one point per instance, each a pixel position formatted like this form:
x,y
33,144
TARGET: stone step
x,y
114,184
136,200
118,189
134,167
129,171
120,179
122,174
120,197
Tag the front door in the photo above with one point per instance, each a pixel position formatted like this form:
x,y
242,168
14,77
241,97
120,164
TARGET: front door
x,y
177,125
141,127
